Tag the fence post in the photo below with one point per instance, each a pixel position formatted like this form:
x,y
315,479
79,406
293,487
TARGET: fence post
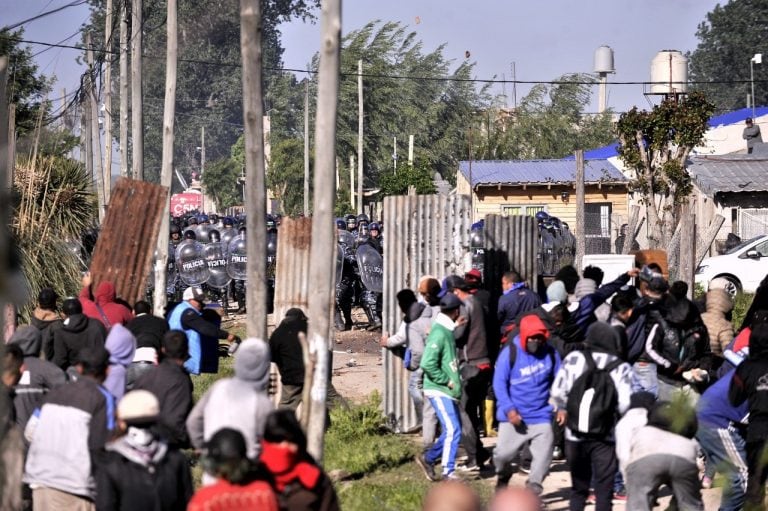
x,y
581,238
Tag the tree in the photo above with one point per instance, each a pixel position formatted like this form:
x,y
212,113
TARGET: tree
x,y
285,175
728,38
655,145
26,86
549,123
419,176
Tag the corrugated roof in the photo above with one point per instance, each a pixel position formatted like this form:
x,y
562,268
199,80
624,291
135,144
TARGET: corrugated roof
x,y
494,172
731,173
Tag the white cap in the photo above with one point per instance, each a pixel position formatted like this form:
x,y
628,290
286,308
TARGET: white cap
x,y
193,293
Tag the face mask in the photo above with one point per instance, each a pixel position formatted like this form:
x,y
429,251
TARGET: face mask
x,y
532,346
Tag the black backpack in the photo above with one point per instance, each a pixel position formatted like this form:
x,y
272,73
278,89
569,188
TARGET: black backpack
x,y
592,402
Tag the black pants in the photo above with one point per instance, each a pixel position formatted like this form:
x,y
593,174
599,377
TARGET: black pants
x,y
757,463
592,462
473,401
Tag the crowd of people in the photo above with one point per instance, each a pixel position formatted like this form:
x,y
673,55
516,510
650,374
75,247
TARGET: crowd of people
x,y
100,412
637,387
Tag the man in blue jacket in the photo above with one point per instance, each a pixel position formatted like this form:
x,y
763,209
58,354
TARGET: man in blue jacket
x,y
522,382
515,300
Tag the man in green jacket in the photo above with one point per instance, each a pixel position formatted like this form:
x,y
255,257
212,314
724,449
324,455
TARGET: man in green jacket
x,y
442,386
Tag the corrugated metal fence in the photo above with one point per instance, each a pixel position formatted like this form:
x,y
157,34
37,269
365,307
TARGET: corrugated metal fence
x,y
511,243
128,237
424,235
292,272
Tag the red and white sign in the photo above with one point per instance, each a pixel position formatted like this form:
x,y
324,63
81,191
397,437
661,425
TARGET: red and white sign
x,y
183,202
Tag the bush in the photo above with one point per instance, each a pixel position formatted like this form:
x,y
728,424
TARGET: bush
x,y
740,308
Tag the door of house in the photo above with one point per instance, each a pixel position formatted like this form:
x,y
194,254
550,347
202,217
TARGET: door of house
x,y
597,228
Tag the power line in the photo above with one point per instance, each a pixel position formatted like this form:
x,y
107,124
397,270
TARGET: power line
x,y
75,3
408,77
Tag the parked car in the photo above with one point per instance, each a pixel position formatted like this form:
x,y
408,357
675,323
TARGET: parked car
x,y
743,266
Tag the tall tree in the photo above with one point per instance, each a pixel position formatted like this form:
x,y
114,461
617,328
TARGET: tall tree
x,y
285,176
728,38
26,87
655,145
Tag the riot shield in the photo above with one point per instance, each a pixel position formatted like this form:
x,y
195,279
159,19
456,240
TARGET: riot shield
x,y
271,254
371,267
237,258
546,253
202,231
190,261
216,258
347,239
339,262
227,235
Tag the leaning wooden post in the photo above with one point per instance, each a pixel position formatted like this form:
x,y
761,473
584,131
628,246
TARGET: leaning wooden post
x,y
685,264
255,187
323,259
137,94
166,169
629,235
124,88
581,228
93,101
107,86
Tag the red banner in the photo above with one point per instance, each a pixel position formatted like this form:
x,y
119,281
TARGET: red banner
x,y
184,202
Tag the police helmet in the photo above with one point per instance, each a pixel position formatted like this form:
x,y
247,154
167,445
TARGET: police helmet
x,y
189,234
341,224
374,226
175,229
214,236
542,216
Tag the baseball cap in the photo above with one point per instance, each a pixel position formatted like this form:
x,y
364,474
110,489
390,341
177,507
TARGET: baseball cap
x,y
193,293
450,302
473,274
138,407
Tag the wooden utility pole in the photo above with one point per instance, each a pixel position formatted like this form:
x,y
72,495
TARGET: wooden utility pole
x,y
322,270
686,261
107,85
256,196
581,228
93,102
124,88
5,202
359,136
86,155
137,101
352,180
202,151
306,148
166,169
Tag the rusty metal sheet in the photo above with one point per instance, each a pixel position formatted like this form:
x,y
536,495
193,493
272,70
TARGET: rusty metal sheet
x,y
294,245
424,235
128,237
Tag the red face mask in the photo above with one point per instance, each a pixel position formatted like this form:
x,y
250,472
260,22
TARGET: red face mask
x,y
278,458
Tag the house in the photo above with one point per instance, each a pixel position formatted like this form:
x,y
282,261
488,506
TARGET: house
x,y
525,187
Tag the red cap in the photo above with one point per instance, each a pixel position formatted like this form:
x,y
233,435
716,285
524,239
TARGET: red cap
x,y
473,274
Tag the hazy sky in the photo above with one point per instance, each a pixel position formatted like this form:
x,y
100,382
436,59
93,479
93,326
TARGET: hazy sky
x,y
544,38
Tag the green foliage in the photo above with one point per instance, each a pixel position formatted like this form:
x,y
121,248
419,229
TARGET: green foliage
x,y
50,142
728,38
26,86
740,307
357,442
285,176
418,176
220,182
655,145
548,123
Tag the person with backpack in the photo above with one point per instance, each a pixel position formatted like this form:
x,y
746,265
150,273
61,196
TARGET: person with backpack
x,y
591,390
521,382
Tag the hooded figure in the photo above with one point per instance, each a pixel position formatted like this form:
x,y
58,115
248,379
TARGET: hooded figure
x,y
103,307
121,345
77,332
720,330
39,376
46,318
285,347
239,403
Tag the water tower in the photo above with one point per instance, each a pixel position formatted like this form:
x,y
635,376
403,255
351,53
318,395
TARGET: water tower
x,y
603,66
669,73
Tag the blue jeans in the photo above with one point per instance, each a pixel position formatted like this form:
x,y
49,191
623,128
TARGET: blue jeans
x,y
645,378
726,450
415,380
447,444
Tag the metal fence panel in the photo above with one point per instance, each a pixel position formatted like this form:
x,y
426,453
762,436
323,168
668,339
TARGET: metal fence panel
x,y
511,243
292,271
128,237
424,235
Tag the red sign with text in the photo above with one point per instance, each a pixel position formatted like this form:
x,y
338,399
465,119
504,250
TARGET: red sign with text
x,y
183,202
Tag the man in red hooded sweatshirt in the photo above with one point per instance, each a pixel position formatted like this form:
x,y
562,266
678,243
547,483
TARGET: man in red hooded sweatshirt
x,y
102,305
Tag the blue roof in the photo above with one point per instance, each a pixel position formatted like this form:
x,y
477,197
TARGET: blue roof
x,y
495,172
601,153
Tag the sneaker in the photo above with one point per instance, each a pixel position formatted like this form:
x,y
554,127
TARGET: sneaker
x,y
426,467
591,499
620,497
525,467
557,454
473,468
453,476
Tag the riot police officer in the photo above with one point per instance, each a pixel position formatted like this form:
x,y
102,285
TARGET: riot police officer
x,y
351,223
345,287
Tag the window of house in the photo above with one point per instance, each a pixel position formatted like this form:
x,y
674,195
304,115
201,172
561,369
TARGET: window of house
x,y
512,209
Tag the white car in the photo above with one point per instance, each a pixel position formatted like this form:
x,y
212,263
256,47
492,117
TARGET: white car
x,y
744,266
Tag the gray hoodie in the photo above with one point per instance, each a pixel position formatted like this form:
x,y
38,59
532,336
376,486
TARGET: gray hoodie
x,y
39,376
239,403
121,345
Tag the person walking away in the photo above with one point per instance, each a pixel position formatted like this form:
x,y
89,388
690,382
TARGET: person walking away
x,y
591,389
721,435
442,386
720,330
46,318
522,380
149,331
751,134
38,376
240,402
410,337
139,470
102,306
66,435
748,384
239,486
187,317
172,386
636,417
77,332
516,299
287,353
300,483
664,453
121,345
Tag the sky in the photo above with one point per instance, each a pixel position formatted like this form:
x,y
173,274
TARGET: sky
x,y
545,39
